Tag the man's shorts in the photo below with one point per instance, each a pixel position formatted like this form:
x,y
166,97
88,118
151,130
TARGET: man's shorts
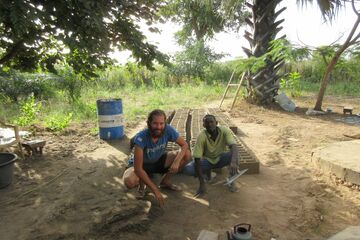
x,y
156,167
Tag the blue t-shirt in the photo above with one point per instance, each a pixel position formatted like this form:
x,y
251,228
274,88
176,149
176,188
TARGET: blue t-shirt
x,y
153,151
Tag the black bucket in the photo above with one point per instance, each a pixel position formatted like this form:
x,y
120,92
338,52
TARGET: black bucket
x,y
6,168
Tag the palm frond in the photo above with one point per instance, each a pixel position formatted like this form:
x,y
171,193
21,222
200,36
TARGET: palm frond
x,y
328,8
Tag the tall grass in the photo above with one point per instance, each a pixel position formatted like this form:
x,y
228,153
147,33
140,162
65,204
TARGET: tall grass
x,y
141,91
137,102
335,89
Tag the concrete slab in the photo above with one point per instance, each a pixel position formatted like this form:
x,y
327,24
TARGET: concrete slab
x,y
341,159
208,235
350,233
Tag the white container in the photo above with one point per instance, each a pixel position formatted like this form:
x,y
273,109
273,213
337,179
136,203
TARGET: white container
x,y
285,102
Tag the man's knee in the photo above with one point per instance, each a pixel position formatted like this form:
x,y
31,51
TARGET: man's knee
x,y
189,169
131,182
130,179
187,156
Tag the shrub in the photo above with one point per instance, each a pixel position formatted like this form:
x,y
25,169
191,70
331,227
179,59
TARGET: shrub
x,y
292,84
28,112
70,82
15,85
58,122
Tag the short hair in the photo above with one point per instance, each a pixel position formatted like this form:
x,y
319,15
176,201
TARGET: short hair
x,y
153,113
207,116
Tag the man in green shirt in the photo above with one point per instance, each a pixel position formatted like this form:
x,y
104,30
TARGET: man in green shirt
x,y
211,151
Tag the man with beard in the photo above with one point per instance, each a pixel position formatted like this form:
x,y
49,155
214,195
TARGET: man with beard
x,y
150,156
211,152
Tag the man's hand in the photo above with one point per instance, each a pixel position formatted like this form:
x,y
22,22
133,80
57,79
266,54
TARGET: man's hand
x,y
233,168
159,197
201,191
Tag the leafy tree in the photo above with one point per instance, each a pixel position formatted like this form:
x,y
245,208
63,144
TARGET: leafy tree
x,y
194,59
200,21
82,32
300,53
325,52
350,40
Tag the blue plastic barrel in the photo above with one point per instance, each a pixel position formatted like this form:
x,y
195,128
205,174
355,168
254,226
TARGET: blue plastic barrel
x,y
110,116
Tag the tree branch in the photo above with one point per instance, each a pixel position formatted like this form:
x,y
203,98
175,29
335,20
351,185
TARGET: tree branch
x,y
12,52
354,8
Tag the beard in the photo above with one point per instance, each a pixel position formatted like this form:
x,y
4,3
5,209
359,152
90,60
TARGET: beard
x,y
156,132
211,130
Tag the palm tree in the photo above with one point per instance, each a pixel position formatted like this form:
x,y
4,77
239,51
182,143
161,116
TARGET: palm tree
x,y
263,85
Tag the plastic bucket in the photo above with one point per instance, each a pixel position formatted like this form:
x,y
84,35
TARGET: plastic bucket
x,y
6,168
110,116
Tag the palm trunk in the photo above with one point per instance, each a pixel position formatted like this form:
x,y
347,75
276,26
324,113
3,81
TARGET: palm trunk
x,y
263,85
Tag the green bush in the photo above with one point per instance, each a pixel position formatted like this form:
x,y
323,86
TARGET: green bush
x,y
15,85
83,110
292,84
28,112
69,81
58,122
218,73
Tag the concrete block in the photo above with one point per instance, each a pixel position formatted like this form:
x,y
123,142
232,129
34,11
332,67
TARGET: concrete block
x,y
208,235
341,159
350,233
253,167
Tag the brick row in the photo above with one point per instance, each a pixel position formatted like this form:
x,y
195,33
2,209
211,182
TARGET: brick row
x,y
197,116
169,115
179,121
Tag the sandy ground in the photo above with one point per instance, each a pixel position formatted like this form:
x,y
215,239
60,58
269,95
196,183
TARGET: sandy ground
x,y
74,191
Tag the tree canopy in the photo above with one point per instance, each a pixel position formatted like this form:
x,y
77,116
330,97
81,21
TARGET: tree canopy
x,y
37,33
202,19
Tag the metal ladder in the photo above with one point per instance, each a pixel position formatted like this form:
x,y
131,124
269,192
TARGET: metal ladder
x,y
238,85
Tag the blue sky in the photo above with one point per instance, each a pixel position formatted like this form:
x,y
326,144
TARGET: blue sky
x,y
302,26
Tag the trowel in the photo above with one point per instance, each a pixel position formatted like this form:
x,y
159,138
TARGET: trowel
x,y
231,179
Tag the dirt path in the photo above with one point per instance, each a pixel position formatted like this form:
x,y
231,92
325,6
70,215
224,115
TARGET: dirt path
x,y
75,191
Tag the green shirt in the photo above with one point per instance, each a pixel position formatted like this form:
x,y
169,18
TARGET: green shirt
x,y
209,149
